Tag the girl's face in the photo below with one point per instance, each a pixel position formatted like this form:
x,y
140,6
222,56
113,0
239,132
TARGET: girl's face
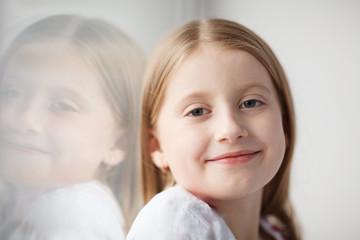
x,y
55,123
220,126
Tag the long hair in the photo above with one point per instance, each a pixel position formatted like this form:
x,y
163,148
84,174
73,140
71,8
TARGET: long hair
x,y
119,62
164,61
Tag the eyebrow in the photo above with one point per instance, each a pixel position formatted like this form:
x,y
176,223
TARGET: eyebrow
x,y
186,98
256,85
202,94
195,95
68,93
57,91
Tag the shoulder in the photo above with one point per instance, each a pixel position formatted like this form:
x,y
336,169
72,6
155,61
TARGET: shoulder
x,y
81,211
176,214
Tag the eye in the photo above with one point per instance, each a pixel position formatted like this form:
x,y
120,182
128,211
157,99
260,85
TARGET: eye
x,y
62,107
251,104
198,112
11,93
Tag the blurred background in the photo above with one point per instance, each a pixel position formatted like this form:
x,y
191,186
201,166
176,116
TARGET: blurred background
x,y
318,44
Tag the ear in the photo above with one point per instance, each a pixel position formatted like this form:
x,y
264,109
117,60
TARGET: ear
x,y
114,157
117,153
156,152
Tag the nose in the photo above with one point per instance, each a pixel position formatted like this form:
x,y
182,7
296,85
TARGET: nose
x,y
229,127
28,119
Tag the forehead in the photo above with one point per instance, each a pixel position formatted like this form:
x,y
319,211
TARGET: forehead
x,y
45,53
209,64
54,69
49,62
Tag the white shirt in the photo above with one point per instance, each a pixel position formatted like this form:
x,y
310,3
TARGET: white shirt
x,y
178,215
81,211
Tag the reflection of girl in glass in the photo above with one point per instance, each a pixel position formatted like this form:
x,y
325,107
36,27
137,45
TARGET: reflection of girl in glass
x,y
68,130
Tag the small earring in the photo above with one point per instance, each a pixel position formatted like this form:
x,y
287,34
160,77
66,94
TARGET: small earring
x,y
111,159
159,161
108,161
163,166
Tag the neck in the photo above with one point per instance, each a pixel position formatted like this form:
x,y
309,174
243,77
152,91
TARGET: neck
x,y
242,216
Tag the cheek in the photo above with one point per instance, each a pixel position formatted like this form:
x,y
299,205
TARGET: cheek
x,y
179,141
7,115
81,146
269,129
272,136
278,136
77,157
183,150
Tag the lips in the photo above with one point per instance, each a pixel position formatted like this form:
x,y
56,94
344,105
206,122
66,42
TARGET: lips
x,y
23,147
242,156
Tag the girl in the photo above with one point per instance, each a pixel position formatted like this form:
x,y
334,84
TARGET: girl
x,y
218,122
68,119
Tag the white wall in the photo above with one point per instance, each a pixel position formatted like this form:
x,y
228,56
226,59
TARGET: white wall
x,y
145,21
318,43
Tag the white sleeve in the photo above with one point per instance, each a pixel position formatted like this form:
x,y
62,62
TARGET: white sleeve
x,y
178,217
77,213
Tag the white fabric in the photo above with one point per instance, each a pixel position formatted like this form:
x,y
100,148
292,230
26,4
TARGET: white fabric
x,y
269,228
80,211
177,214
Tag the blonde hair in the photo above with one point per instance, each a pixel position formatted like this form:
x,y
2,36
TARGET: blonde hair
x,y
119,62
168,56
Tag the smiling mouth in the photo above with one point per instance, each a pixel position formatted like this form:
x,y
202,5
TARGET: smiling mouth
x,y
23,148
235,157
